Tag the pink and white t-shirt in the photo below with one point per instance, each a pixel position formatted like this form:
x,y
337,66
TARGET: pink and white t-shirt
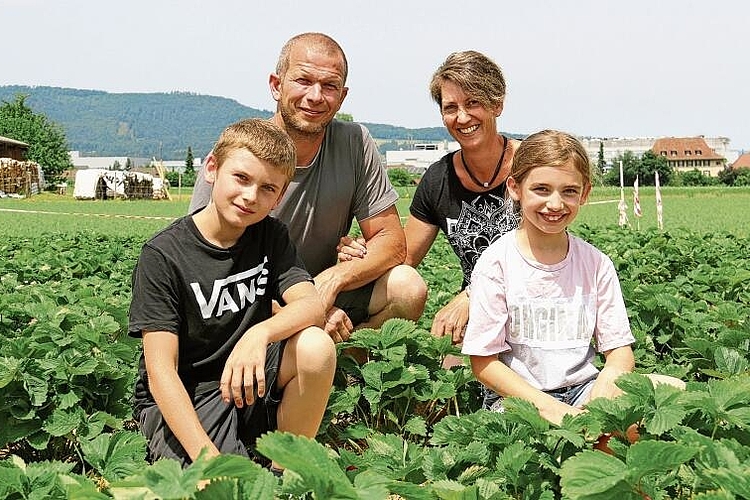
x,y
540,319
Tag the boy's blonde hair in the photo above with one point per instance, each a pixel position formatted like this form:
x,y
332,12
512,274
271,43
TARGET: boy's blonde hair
x,y
550,148
265,140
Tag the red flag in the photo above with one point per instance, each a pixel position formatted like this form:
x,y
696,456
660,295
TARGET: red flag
x,y
636,199
658,202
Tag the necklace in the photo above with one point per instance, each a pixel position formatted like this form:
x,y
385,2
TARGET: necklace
x,y
497,168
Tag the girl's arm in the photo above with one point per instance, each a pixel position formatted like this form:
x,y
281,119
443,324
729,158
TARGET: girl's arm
x,y
160,349
618,361
245,366
497,376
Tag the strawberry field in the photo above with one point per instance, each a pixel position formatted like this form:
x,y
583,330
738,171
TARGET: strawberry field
x,y
398,426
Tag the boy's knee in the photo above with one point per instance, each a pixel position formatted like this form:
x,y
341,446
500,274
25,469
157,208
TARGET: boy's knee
x,y
409,290
316,350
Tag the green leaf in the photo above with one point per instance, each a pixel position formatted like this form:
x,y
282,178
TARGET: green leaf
x,y
730,361
308,460
417,426
735,479
116,456
648,457
62,422
594,475
9,370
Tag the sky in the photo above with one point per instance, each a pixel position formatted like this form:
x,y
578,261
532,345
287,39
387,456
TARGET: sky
x,y
635,68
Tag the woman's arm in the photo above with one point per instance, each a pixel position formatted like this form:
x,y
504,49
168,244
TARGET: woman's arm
x,y
419,238
494,374
160,350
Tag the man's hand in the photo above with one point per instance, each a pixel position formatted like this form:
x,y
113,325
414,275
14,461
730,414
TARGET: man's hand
x,y
245,366
349,248
338,325
452,319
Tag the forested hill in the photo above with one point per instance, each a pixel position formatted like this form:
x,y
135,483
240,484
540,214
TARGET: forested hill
x,y
149,125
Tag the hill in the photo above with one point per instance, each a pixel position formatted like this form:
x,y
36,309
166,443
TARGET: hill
x,y
161,125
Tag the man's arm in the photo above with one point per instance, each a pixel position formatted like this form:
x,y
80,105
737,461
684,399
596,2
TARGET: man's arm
x,y
160,349
386,248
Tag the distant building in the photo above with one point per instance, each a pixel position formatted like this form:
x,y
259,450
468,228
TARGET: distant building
x,y
420,156
689,153
742,162
616,147
179,165
105,162
11,148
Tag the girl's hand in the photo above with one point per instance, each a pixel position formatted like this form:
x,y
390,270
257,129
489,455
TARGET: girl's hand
x,y
349,248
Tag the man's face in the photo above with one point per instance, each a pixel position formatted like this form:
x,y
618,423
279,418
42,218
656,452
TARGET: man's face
x,y
311,91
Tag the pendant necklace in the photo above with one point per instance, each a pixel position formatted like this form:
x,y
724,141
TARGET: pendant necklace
x,y
497,168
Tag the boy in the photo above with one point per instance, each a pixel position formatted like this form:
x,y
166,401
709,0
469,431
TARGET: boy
x,y
218,369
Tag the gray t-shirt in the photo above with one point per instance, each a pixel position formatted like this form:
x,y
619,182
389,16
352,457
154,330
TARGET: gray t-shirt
x,y
346,180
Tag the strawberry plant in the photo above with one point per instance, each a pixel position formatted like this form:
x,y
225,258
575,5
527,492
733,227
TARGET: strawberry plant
x,y
398,426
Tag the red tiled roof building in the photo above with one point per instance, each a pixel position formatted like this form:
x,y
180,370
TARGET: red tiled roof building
x,y
689,153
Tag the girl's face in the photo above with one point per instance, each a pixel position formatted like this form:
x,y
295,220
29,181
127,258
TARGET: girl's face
x,y
550,197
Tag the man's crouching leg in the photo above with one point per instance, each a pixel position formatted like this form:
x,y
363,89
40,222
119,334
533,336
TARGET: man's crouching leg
x,y
306,377
399,293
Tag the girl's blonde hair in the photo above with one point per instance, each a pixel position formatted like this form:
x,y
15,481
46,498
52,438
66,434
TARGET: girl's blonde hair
x,y
550,148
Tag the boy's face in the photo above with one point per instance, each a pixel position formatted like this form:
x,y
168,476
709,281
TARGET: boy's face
x,y
245,188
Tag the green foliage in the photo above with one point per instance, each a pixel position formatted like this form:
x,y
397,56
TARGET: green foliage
x,y
344,117
643,167
46,140
400,177
735,176
398,424
401,388
693,178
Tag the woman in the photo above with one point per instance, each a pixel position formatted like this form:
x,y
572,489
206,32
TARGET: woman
x,y
463,194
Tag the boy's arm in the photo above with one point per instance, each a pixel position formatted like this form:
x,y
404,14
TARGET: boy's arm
x,y
246,363
497,376
618,361
160,351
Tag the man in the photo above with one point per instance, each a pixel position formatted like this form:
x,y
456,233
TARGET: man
x,y
339,177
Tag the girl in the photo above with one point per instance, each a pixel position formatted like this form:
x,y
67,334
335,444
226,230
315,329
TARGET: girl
x,y
539,295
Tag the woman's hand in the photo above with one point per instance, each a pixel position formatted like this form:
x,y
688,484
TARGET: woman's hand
x,y
452,319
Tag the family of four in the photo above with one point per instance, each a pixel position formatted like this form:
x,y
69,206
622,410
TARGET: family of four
x,y
239,312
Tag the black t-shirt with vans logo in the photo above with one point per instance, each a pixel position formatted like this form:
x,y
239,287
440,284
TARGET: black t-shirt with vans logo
x,y
208,296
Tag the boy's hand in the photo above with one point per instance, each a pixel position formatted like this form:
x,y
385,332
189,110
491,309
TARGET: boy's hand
x,y
245,367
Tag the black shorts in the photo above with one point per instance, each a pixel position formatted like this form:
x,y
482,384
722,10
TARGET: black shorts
x,y
356,303
233,430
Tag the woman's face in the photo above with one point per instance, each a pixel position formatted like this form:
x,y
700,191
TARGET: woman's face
x,y
468,121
